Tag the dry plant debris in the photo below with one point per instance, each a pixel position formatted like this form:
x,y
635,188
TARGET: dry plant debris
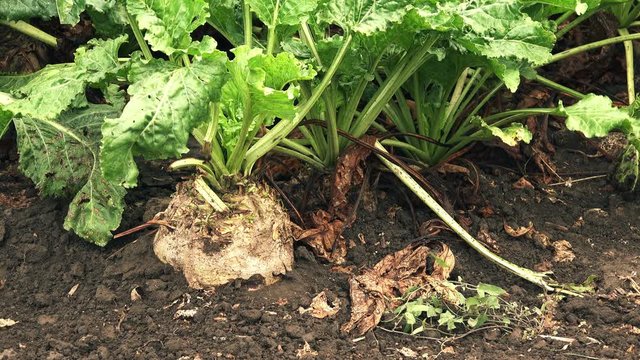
x,y
325,238
320,308
376,290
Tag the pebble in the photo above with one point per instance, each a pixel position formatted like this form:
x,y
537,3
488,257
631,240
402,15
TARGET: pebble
x,y
47,320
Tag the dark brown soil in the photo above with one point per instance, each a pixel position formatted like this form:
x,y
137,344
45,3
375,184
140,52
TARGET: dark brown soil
x,y
73,300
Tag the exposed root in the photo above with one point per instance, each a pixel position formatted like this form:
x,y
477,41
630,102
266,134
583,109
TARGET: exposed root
x,y
213,248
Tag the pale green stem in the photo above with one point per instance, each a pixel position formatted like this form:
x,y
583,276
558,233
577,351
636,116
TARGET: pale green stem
x,y
144,47
554,85
594,45
628,52
248,23
271,35
296,154
284,127
209,195
540,279
32,32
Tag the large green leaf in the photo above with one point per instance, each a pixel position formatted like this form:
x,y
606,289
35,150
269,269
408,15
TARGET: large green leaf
x,y
60,157
52,90
226,17
363,16
595,116
26,9
263,84
167,103
282,12
169,23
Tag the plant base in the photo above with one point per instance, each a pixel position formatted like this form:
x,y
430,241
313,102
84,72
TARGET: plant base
x,y
213,248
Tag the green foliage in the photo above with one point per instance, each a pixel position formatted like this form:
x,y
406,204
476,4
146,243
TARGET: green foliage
x,y
60,158
25,9
167,102
169,23
483,307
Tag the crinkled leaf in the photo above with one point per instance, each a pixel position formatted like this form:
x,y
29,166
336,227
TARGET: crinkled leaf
x,y
282,12
499,29
579,6
167,103
595,116
226,17
97,208
363,16
60,158
264,79
168,23
26,9
510,135
67,82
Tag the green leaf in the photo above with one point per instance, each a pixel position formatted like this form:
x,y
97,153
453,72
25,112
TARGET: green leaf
x,y
510,135
167,103
363,16
264,82
97,208
69,10
26,9
595,116
5,120
168,23
60,158
52,90
282,12
488,289
226,17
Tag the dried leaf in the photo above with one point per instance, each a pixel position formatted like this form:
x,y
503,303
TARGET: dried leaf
x,y
406,352
325,238
320,308
7,323
73,290
541,239
135,295
185,314
448,168
432,227
373,291
348,173
306,352
522,183
486,237
520,231
563,251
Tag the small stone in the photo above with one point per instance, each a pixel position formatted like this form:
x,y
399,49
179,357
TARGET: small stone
x,y
251,316
294,331
47,320
104,294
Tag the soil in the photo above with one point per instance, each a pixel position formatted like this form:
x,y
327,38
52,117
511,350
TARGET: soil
x,y
72,300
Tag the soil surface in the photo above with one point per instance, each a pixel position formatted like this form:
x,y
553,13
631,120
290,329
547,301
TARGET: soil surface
x,y
72,300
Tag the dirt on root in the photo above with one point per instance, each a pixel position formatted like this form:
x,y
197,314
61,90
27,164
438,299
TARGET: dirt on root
x,y
72,300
